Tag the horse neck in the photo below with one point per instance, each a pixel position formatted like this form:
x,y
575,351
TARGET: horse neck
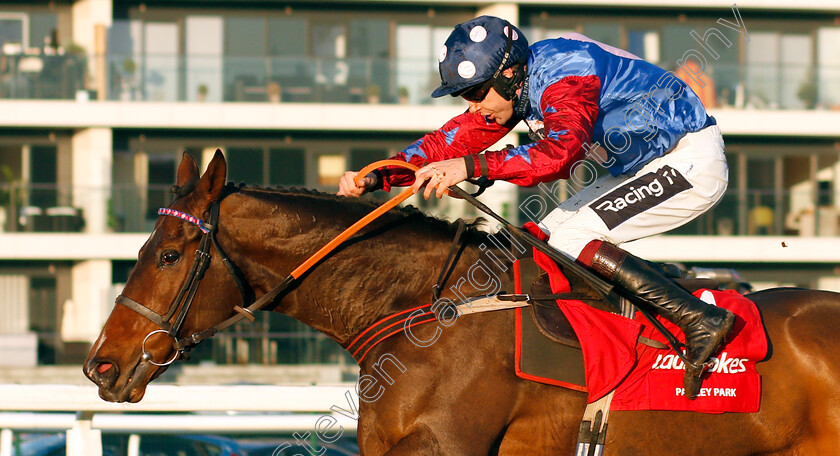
x,y
391,266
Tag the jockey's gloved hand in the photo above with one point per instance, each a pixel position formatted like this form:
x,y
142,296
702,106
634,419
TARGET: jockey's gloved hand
x,y
347,184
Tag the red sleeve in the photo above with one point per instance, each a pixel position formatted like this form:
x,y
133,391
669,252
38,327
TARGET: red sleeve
x,y
570,107
464,134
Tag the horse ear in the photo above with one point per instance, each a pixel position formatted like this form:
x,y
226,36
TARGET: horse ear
x,y
213,180
187,171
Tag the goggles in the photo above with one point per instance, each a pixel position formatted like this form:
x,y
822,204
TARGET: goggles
x,y
476,93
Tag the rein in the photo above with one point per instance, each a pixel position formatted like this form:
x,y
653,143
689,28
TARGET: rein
x,y
180,306
183,301
570,266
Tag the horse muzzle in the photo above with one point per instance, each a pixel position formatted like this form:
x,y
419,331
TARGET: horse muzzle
x,y
121,385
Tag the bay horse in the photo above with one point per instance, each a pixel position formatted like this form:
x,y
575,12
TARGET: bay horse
x,y
460,395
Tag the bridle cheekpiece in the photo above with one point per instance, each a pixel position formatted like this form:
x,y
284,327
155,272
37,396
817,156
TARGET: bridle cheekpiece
x,y
180,306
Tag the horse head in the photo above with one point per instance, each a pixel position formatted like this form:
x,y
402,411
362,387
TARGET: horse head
x,y
132,350
163,311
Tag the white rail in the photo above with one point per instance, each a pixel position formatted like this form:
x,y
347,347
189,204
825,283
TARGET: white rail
x,y
228,409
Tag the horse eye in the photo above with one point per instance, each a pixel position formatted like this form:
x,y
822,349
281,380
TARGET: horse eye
x,y
170,257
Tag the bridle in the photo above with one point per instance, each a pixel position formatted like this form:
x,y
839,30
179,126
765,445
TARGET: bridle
x,y
180,306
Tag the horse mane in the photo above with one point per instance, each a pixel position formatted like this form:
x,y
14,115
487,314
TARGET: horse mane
x,y
362,204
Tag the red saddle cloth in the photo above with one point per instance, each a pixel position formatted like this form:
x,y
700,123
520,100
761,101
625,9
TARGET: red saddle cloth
x,y
647,378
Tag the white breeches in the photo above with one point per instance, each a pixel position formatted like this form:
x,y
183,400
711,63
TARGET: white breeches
x,y
666,193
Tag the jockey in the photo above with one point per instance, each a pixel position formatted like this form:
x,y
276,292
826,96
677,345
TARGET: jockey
x,y
581,99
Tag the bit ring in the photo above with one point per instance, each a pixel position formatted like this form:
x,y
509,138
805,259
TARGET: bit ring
x,y
148,356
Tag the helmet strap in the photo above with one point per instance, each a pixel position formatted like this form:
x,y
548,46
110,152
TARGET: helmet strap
x,y
521,105
498,80
506,56
507,87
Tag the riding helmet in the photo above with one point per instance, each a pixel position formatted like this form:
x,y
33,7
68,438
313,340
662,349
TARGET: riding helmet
x,y
475,53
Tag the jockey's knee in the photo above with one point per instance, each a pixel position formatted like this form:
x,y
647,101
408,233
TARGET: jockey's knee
x,y
569,242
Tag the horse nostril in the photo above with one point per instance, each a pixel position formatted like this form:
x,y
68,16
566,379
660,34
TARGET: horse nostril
x,y
103,373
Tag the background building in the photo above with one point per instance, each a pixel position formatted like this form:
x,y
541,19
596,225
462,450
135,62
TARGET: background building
x,y
99,99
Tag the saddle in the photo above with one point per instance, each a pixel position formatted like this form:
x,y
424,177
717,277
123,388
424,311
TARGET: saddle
x,y
547,348
553,324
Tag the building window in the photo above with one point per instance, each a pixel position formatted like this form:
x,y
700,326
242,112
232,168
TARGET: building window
x,y
330,169
14,33
359,158
161,172
44,176
828,62
45,318
245,165
287,167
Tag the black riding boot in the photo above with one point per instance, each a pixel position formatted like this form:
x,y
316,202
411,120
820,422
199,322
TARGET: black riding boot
x,y
705,326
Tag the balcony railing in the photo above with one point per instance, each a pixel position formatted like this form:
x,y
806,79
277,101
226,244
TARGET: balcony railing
x,y
271,79
37,76
133,209
758,212
217,78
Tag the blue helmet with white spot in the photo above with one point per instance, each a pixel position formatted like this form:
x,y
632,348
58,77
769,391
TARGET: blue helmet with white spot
x,y
476,52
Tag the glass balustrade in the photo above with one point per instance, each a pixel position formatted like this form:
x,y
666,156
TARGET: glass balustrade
x,y
208,78
133,209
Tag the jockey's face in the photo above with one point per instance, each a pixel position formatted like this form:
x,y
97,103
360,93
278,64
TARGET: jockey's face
x,y
493,107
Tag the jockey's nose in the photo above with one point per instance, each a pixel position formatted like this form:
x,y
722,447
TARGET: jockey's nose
x,y
473,107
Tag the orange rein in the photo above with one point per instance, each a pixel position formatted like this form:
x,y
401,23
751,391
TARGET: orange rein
x,y
373,215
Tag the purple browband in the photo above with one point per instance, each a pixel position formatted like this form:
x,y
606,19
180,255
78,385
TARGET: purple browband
x,y
183,216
